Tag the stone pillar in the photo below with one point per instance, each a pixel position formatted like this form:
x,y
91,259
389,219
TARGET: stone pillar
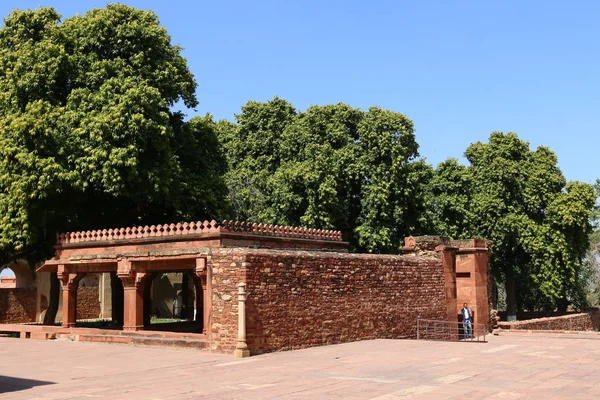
x,y
105,293
448,257
204,272
133,296
42,297
472,278
241,349
206,305
70,283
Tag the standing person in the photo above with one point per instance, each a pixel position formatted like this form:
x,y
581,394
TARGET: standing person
x,y
467,321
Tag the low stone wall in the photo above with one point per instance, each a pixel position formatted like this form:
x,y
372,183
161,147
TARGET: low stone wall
x,y
586,321
300,299
17,305
88,302
527,315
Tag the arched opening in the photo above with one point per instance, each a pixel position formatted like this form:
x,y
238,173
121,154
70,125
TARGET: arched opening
x,y
23,274
17,293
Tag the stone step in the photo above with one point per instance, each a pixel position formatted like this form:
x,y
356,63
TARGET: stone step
x,y
144,340
158,334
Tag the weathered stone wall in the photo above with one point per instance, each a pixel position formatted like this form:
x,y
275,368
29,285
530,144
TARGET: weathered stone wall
x,y
17,305
574,322
300,299
228,269
88,302
527,315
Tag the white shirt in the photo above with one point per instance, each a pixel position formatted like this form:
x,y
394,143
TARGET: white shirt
x,y
466,313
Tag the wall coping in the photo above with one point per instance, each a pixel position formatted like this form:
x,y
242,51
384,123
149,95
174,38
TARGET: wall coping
x,y
508,325
180,231
303,252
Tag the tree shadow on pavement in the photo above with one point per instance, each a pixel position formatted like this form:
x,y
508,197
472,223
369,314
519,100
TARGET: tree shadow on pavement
x,y
12,384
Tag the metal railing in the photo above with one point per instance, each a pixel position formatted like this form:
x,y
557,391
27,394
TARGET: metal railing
x,y
428,329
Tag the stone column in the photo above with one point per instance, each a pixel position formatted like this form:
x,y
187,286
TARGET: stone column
x,y
70,283
241,349
204,272
448,256
105,293
133,296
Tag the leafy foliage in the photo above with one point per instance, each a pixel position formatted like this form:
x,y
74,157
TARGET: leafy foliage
x,y
88,135
539,224
330,166
449,200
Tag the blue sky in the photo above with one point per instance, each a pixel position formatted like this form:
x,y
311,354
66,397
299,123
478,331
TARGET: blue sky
x,y
458,69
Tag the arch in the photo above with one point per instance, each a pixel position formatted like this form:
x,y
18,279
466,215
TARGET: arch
x,y
25,277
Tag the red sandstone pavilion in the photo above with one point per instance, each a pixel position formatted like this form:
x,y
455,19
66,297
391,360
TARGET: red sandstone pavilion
x,y
262,288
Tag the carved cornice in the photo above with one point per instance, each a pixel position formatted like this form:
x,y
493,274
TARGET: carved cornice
x,y
194,228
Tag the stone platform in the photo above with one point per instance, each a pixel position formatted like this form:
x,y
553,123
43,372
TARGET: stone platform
x,y
513,366
141,338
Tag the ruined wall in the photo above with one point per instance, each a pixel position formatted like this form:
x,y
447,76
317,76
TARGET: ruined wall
x,y
88,302
300,299
228,269
17,305
575,322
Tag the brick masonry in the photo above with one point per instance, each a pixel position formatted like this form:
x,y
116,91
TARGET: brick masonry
x,y
17,305
88,302
300,299
574,322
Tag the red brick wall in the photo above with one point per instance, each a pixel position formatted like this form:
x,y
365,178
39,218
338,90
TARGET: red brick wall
x,y
575,322
88,304
300,299
17,305
228,269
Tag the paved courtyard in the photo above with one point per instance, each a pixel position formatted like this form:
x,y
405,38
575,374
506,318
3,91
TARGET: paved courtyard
x,y
507,367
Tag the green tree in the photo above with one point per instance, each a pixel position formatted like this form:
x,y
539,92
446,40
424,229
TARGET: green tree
x,y
89,135
332,166
591,273
253,147
538,224
449,200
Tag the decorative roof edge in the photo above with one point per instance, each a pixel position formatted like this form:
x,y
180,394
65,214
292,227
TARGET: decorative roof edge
x,y
191,228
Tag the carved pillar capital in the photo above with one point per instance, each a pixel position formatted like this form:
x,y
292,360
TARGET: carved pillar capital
x,y
70,280
200,267
125,272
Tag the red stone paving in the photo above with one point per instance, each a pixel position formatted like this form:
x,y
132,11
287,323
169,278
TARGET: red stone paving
x,y
510,366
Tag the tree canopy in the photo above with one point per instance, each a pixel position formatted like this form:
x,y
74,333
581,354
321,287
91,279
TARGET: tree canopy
x,y
90,136
331,166
449,196
538,223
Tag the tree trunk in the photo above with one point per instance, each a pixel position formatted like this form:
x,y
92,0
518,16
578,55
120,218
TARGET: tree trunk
x,y
511,294
50,316
562,305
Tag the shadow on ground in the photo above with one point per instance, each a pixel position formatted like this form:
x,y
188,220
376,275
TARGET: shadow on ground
x,y
12,384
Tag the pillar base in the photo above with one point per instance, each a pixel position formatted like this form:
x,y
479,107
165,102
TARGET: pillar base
x,y
239,353
133,328
68,325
